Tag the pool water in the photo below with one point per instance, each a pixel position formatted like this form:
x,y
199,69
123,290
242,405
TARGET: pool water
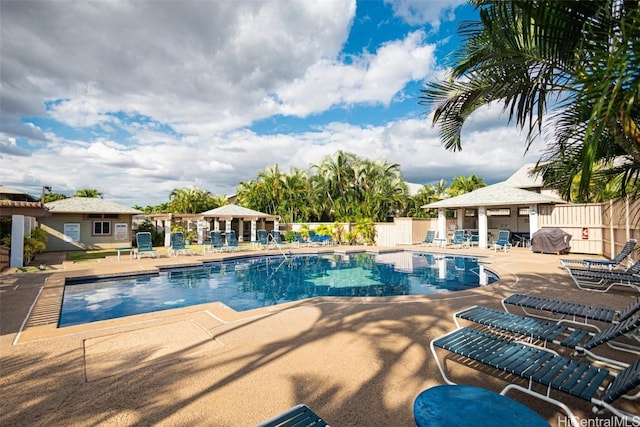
x,y
249,283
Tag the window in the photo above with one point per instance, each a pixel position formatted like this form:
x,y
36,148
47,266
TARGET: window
x,y
469,212
101,228
523,211
499,212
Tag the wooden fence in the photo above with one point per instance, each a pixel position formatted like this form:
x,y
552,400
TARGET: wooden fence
x,y
4,258
595,228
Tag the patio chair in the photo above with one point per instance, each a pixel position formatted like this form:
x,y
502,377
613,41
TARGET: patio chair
x,y
538,365
215,242
231,241
503,241
580,340
177,244
262,238
599,263
298,240
276,238
318,239
298,416
144,244
460,239
603,280
429,237
568,308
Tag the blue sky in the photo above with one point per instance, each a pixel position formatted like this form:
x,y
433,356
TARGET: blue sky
x,y
137,98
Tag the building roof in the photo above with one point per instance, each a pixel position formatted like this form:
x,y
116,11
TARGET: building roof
x,y
236,211
523,178
501,194
14,194
89,205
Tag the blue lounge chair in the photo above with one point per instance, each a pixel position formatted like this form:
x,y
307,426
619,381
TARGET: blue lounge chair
x,y
177,244
603,280
231,241
276,237
503,241
144,245
298,240
215,242
262,238
318,239
554,333
298,416
539,365
599,263
568,308
428,239
460,239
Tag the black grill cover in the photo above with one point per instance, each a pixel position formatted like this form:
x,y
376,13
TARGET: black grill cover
x,y
550,240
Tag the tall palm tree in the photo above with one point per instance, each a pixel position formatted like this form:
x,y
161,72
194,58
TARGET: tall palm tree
x,y
88,192
461,184
189,200
529,54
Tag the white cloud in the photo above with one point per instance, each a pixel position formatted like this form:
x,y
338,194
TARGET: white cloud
x,y
157,96
419,12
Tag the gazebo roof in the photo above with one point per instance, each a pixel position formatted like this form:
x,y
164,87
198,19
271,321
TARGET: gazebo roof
x,y
236,211
501,194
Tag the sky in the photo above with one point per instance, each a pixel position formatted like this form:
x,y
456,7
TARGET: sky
x,y
138,98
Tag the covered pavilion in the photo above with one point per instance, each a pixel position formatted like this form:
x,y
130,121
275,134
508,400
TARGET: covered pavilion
x,y
244,221
494,207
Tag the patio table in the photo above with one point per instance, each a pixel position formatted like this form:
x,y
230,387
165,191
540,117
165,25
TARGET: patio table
x,y
125,248
463,405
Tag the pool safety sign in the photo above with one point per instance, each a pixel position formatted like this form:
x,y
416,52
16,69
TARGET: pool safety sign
x,y
585,233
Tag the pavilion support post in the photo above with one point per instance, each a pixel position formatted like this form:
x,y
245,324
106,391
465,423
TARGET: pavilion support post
x,y
442,224
254,227
167,233
533,220
17,241
483,229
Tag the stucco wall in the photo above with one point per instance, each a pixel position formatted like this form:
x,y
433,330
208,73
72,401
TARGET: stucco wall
x,y
54,227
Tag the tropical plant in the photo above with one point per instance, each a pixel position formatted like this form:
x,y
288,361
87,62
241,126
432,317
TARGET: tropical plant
x,y
461,185
347,188
52,197
365,231
88,192
193,200
528,55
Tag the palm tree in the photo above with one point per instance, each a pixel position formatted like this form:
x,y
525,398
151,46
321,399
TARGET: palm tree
x,y
88,192
529,54
461,184
189,200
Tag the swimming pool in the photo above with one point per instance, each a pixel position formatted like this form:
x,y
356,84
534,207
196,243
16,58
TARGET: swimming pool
x,y
249,283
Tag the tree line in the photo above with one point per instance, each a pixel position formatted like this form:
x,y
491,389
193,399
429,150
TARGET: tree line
x,y
343,187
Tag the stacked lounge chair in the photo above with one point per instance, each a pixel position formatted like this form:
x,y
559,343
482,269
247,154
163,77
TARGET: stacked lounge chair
x,y
599,263
538,365
555,333
573,310
603,280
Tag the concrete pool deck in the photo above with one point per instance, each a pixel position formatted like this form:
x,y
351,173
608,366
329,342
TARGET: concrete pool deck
x,y
355,362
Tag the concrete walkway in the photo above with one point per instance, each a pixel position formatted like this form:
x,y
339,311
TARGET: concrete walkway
x,y
356,362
